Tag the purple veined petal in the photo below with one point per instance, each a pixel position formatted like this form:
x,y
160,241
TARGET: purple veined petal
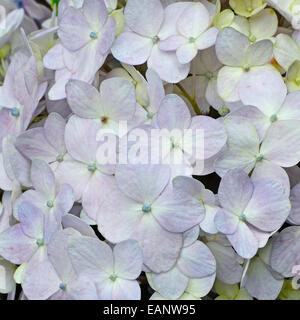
x,y
17,167
58,254
193,21
243,241
74,30
229,269
72,222
260,282
255,116
136,181
91,257
122,105
281,144
58,91
173,113
15,246
43,178
84,99
36,11
171,16
207,166
118,212
170,284
31,219
290,110
190,185
208,224
35,197
87,72
259,53
207,39
285,251
200,287
261,236
269,206
264,24
167,65
264,89
144,17
293,175
95,13
120,290
80,138
128,259
231,47
228,82
91,199
54,58
60,107
54,129
177,211
243,146
190,236
196,261
229,161
235,191
107,36
132,48
64,200
172,43
41,280
65,174
9,124
5,182
52,224
226,222
161,248
295,202
155,90
186,53
6,210
82,288
214,135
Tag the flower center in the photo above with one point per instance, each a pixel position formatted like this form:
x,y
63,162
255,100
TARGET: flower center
x,y
93,35
50,203
192,39
150,115
146,208
273,118
242,217
259,157
252,38
109,10
60,159
246,67
91,167
209,75
113,277
104,120
155,39
40,242
62,286
15,112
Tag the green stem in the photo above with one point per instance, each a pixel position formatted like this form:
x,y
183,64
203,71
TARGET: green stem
x,y
190,99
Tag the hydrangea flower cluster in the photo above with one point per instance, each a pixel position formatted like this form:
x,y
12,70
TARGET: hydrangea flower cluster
x,y
150,149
